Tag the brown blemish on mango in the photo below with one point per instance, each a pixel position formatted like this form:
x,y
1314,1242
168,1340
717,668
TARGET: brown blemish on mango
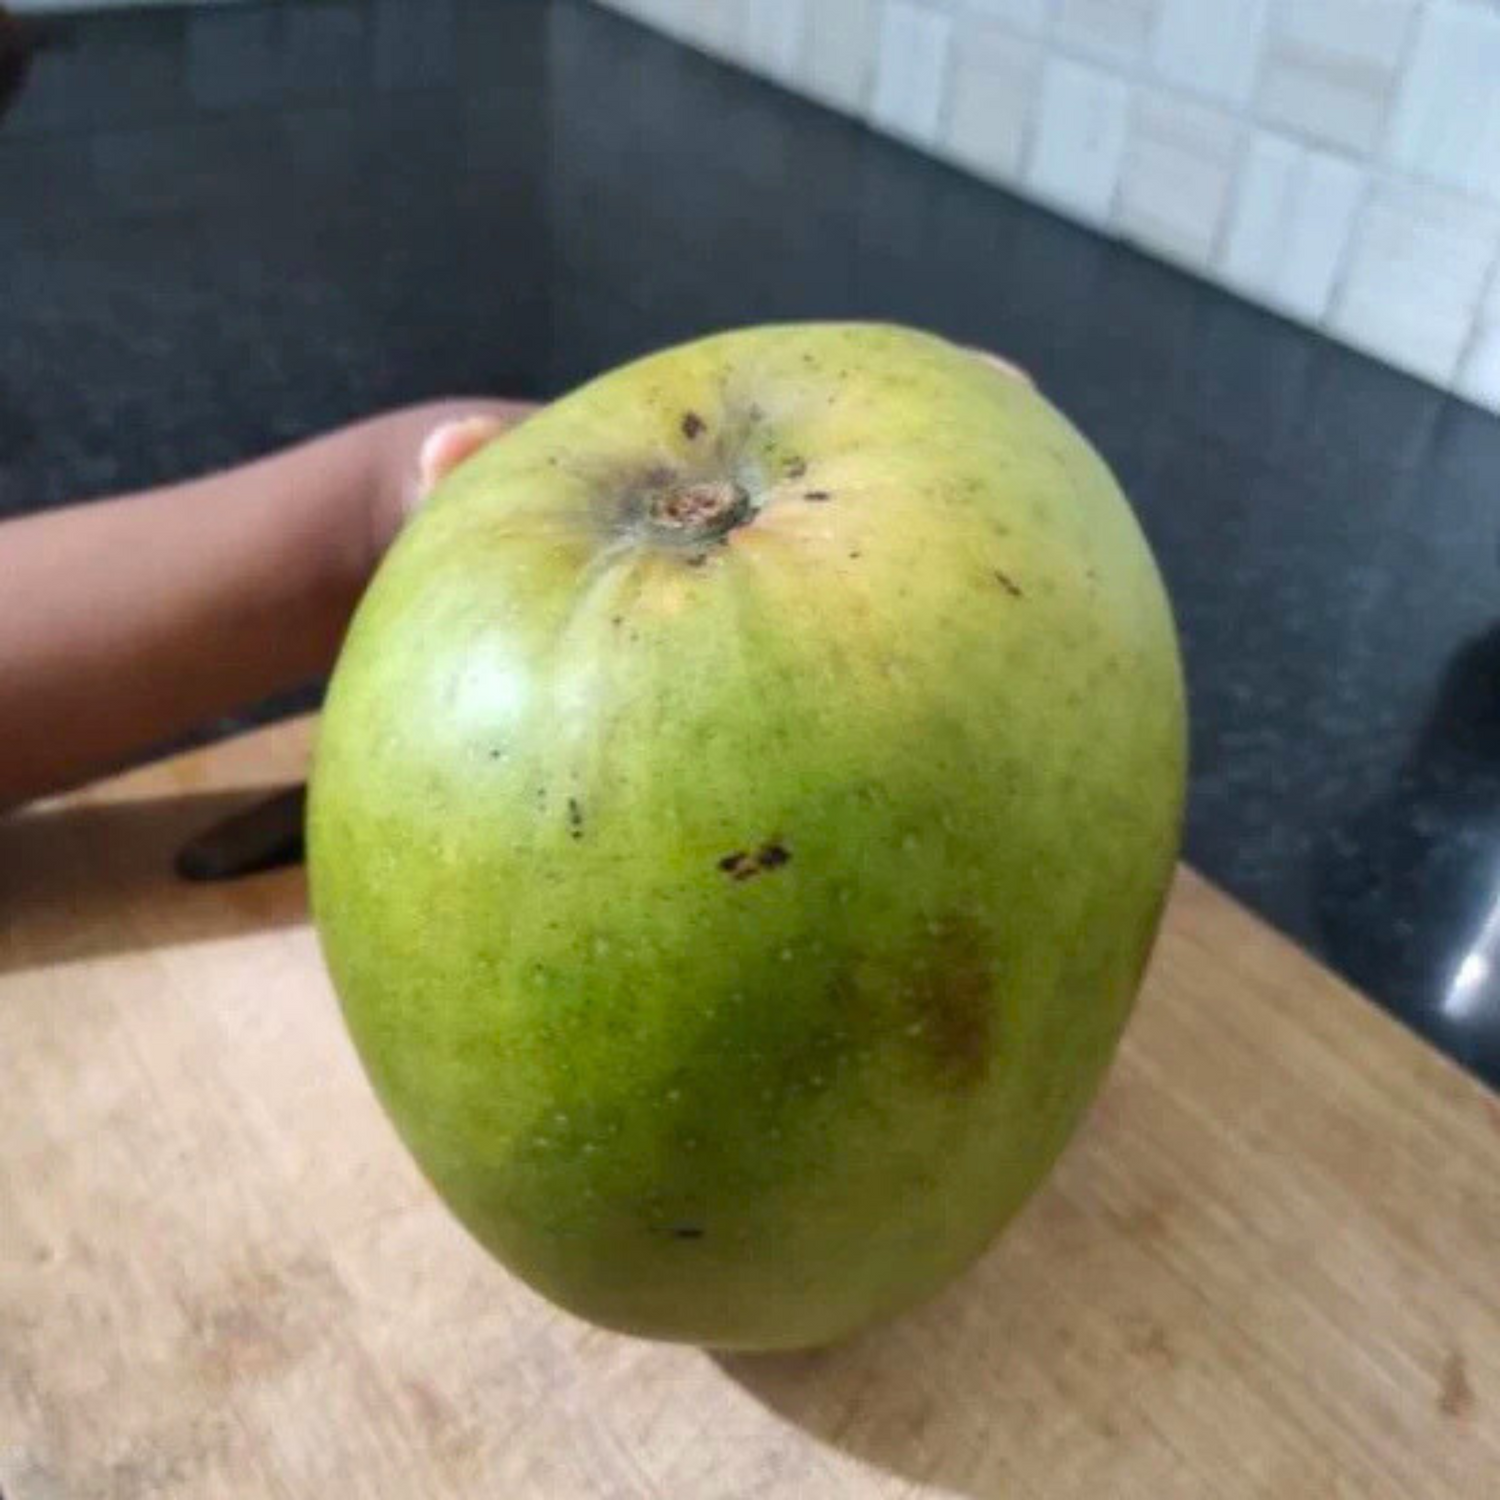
x,y
742,865
949,996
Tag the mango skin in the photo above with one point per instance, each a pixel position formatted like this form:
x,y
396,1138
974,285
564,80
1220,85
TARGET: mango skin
x,y
736,932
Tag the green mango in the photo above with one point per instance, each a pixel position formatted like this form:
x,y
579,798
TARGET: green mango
x,y
741,816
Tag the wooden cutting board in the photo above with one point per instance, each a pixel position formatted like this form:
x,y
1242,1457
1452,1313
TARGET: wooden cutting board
x,y
1269,1265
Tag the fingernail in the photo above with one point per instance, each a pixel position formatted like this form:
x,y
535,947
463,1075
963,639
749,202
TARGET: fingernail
x,y
1004,366
448,445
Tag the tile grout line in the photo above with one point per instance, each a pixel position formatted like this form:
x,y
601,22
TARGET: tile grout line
x,y
1374,165
945,82
1031,123
1477,330
1219,243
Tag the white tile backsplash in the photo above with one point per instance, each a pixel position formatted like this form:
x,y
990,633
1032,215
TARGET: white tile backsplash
x,y
911,76
1210,47
996,73
1446,125
1115,31
1293,216
774,31
838,52
1025,15
717,26
700,23
1416,277
1330,67
674,17
1479,367
1080,139
1179,165
1337,160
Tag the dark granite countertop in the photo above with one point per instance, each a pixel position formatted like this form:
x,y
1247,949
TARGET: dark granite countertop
x,y
224,228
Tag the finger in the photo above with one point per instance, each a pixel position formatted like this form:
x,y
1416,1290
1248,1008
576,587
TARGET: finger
x,y
1004,366
448,445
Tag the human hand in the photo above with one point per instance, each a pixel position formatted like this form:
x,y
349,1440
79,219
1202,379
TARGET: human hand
x,y
418,446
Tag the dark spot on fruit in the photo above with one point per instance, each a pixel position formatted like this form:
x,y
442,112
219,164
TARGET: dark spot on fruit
x,y
950,989
575,818
495,754
744,866
697,559
756,413
1009,584
617,619
692,425
687,1232
817,495
855,555
796,468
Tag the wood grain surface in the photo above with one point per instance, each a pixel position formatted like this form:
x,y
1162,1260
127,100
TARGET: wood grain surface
x,y
1268,1266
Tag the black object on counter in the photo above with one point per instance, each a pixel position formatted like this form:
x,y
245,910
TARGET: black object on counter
x,y
264,836
15,54
228,227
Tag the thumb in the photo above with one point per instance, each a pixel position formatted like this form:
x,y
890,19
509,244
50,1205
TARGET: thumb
x,y
1004,366
449,444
